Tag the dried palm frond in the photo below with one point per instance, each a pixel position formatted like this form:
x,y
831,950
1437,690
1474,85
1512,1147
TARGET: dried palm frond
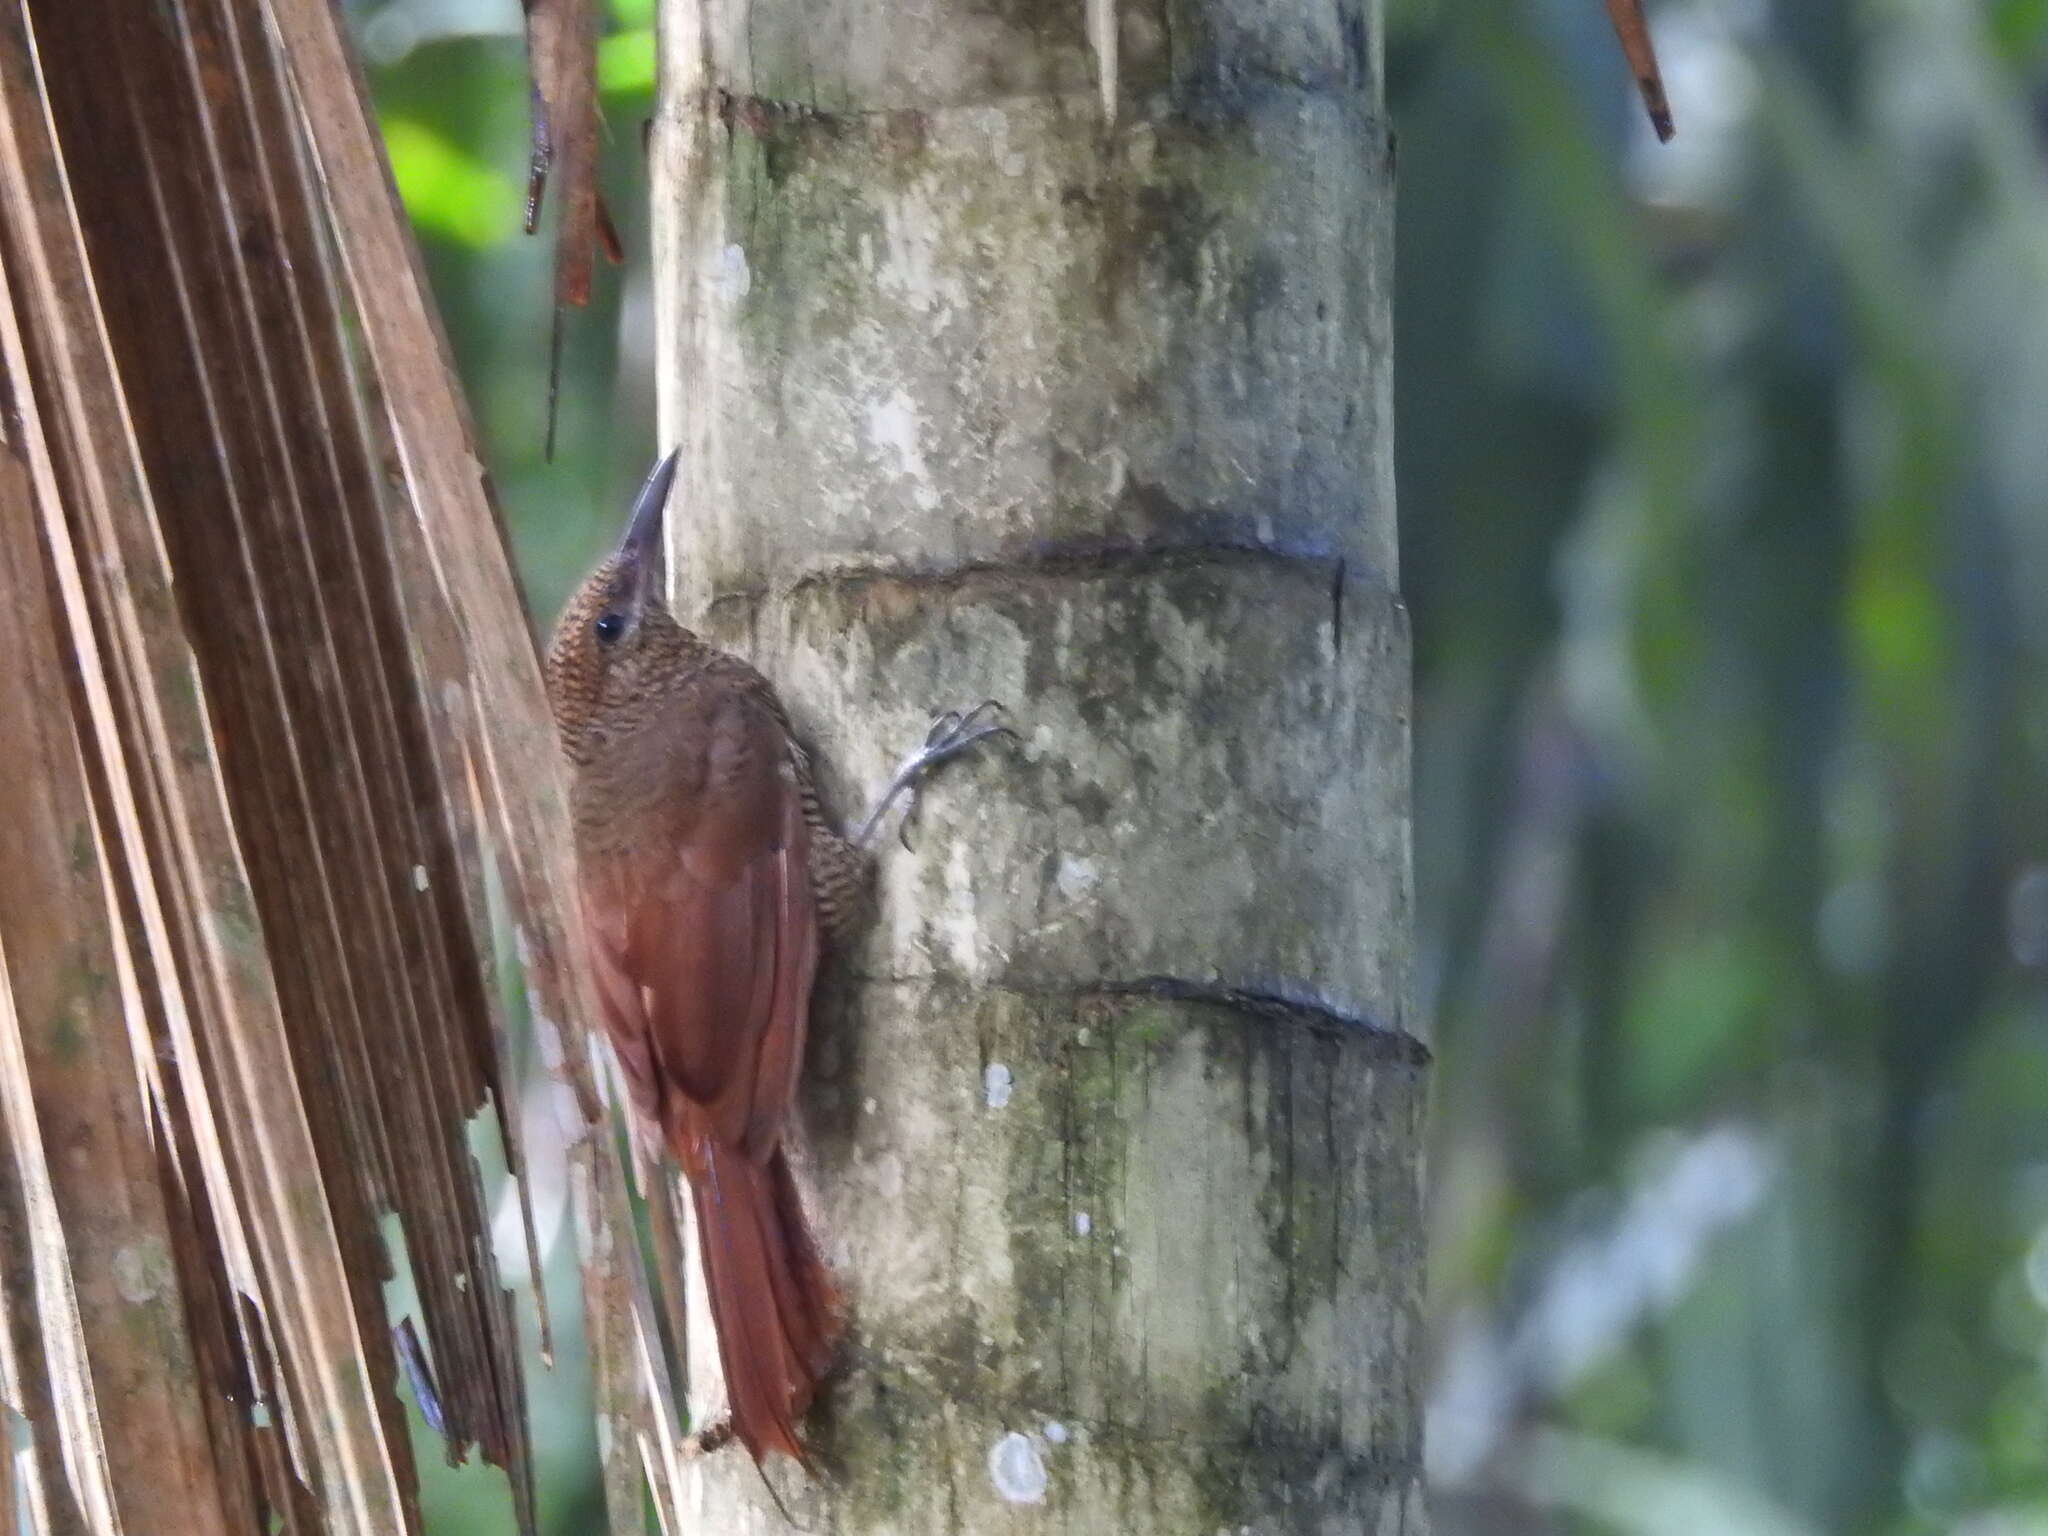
x,y
273,716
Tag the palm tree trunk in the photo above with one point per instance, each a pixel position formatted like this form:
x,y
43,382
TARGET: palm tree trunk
x,y
1040,355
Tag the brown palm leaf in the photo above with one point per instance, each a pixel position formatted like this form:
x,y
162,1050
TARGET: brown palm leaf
x,y
275,733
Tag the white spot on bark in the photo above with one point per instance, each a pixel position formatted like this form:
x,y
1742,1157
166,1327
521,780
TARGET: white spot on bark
x,y
136,1274
1056,1432
916,259
1077,877
995,1085
1102,39
868,1106
419,877
889,1177
1083,1223
955,924
1017,1470
735,277
894,427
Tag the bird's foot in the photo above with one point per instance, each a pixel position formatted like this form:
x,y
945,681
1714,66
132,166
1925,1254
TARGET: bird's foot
x,y
951,734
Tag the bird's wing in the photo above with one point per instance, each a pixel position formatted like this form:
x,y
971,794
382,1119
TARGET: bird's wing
x,y
710,939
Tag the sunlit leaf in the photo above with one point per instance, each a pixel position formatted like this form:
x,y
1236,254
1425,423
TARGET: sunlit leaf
x,y
448,191
625,63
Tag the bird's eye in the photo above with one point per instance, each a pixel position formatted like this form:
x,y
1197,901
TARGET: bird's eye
x,y
609,627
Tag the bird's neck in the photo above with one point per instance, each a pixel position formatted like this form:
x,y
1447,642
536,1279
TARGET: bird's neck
x,y
624,798
625,760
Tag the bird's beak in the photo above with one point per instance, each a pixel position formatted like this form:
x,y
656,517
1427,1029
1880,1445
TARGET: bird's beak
x,y
640,549
643,531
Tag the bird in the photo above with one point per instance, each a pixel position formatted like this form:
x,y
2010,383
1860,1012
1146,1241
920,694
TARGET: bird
x,y
708,876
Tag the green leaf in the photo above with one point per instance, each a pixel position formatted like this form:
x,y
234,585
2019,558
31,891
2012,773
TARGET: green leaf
x,y
625,63
447,191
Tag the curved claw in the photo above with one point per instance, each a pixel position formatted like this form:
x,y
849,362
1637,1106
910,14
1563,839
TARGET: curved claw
x,y
985,707
950,734
954,730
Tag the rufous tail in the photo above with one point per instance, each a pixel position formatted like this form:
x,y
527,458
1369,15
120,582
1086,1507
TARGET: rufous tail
x,y
772,1300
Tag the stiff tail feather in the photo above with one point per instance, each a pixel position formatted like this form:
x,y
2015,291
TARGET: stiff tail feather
x,y
772,1300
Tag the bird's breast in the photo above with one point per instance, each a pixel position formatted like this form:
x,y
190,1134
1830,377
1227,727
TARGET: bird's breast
x,y
640,787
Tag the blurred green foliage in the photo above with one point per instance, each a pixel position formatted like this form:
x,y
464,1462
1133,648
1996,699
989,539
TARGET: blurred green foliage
x,y
1723,477
1722,489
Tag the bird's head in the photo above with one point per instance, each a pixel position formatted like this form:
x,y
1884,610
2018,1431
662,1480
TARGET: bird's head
x,y
615,641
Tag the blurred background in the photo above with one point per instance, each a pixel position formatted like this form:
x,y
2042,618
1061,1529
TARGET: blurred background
x,y
1724,498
